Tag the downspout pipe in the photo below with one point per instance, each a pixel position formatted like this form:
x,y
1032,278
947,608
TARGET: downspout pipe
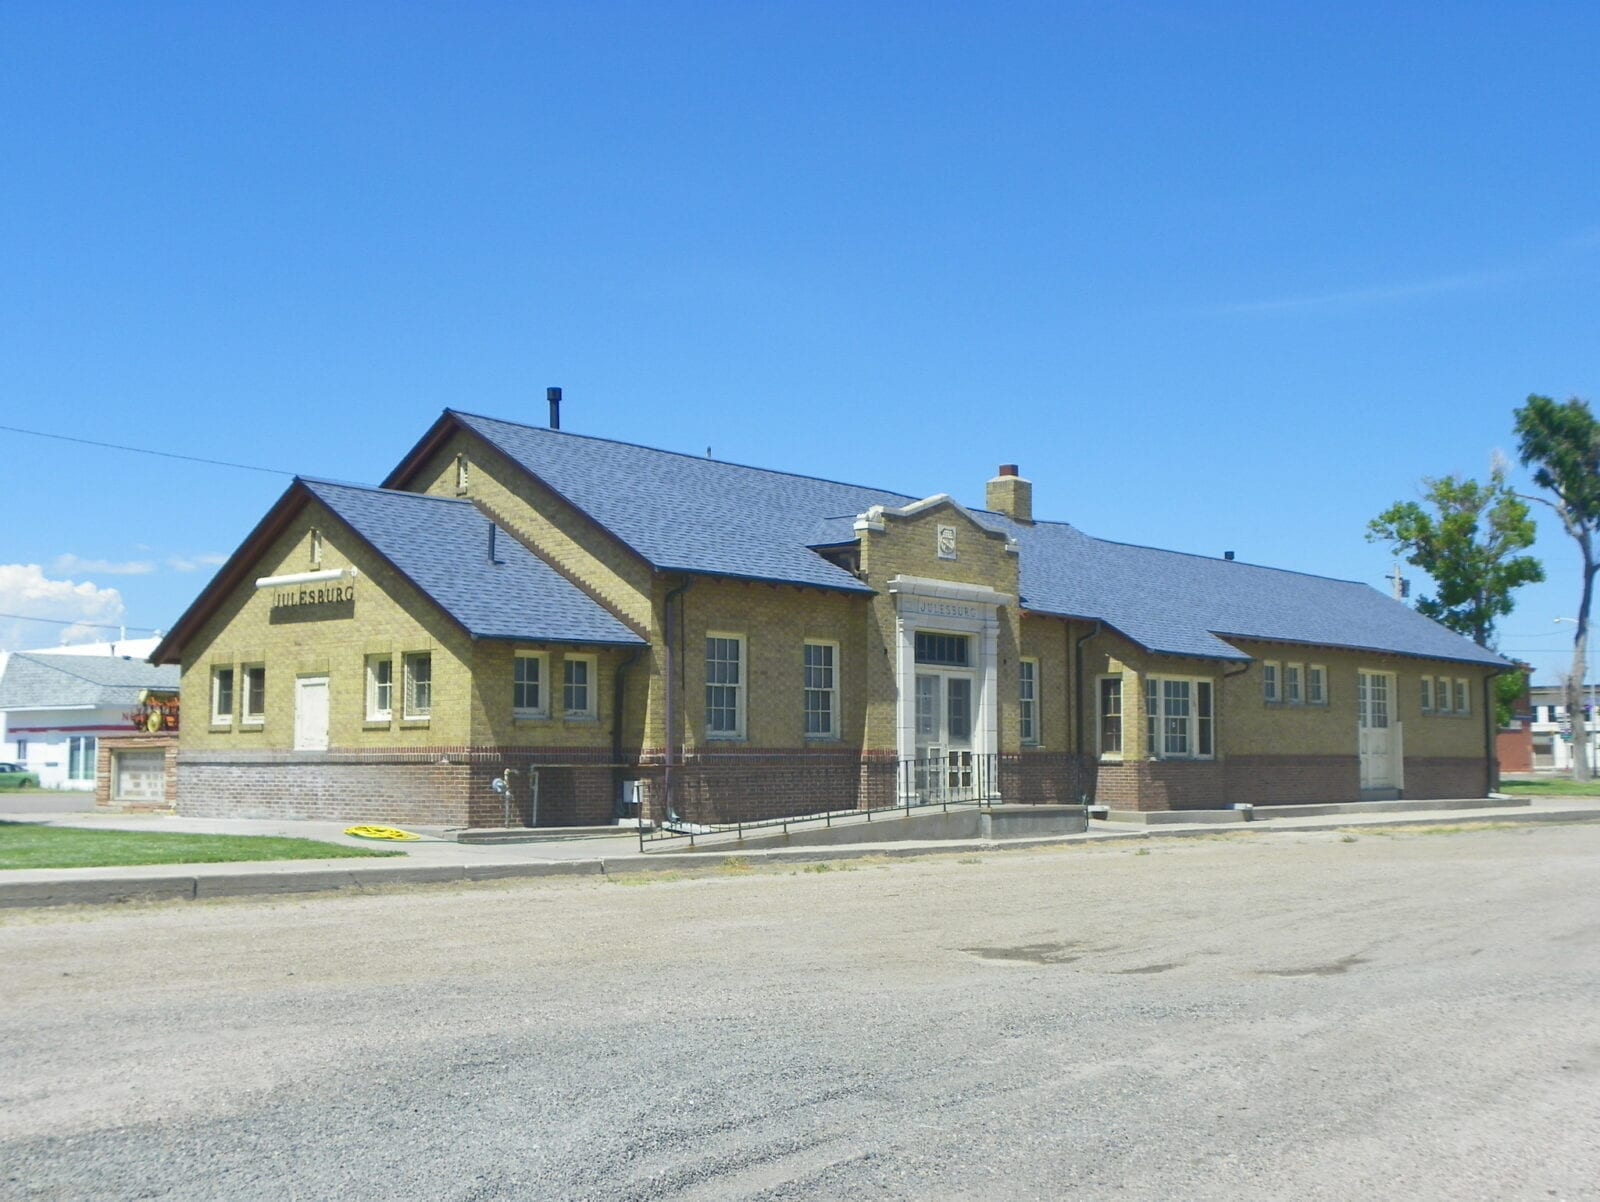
x,y
1077,695
1491,759
618,693
671,619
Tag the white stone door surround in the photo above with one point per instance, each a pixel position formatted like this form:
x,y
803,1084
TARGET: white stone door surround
x,y
947,607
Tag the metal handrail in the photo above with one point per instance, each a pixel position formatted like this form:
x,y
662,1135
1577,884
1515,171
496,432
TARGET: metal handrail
x,y
951,779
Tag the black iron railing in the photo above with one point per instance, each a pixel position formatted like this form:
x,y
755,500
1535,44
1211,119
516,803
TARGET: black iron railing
x,y
948,780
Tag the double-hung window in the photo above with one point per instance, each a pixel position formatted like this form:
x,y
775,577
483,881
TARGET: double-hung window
x,y
1028,699
380,688
1316,684
1111,716
1441,695
528,686
255,695
821,701
1179,718
1271,687
578,685
1427,694
1463,705
222,696
725,694
1291,684
419,684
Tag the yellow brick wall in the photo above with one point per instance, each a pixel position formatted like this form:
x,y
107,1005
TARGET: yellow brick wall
x,y
1260,728
388,616
776,621
558,531
495,721
1248,725
1048,640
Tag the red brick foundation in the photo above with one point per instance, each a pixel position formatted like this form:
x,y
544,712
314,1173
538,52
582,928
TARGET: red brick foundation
x,y
447,787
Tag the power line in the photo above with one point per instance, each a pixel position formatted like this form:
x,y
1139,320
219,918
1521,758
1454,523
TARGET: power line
x,y
89,625
117,446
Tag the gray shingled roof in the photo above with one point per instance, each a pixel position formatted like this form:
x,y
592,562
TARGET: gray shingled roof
x,y
682,513
441,544
37,681
1179,604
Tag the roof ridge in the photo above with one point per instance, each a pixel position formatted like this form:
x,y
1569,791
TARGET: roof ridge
x,y
639,446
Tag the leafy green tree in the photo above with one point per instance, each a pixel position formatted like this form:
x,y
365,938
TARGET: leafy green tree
x,y
1561,442
1468,544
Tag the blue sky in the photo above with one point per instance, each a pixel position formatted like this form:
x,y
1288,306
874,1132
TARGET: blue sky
x,y
1217,277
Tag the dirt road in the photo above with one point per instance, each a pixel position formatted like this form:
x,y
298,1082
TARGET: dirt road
x,y
1410,1015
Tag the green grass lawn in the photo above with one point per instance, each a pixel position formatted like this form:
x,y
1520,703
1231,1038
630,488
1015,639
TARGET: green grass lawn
x,y
30,845
1551,787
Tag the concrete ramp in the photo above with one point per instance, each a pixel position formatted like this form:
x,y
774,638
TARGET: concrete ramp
x,y
989,823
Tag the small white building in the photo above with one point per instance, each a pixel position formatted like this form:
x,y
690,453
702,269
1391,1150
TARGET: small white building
x,y
55,706
1552,727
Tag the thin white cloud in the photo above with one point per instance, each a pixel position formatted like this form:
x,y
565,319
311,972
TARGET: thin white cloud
x,y
25,590
1553,260
72,565
1384,293
193,563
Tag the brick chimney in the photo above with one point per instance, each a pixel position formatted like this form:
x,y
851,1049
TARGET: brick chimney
x,y
1010,494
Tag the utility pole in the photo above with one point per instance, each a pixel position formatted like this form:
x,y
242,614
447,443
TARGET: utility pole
x,y
1402,586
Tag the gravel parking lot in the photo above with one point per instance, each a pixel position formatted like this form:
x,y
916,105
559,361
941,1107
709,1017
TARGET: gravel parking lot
x,y
1408,1015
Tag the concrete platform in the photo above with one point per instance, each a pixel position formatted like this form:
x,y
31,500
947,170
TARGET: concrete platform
x,y
439,859
1315,810
928,825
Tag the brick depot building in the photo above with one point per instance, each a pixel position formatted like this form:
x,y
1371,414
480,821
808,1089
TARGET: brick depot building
x,y
716,642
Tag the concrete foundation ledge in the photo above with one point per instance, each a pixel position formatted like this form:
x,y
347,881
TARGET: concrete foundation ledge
x,y
537,834
1390,807
1177,817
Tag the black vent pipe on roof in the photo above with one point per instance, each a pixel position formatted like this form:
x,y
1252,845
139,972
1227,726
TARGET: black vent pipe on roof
x,y
553,395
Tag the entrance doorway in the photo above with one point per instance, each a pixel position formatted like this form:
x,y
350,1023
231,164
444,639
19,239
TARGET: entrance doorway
x,y
311,713
1375,701
944,768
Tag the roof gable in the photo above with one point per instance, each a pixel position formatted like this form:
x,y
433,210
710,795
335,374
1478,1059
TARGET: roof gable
x,y
681,513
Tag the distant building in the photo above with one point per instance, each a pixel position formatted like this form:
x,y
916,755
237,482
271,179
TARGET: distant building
x,y
1552,727
724,643
57,705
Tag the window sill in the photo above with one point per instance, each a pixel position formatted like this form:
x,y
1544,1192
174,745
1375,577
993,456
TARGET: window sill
x,y
823,739
377,723
220,727
1033,746
724,738
414,723
253,724
1111,759
580,717
529,716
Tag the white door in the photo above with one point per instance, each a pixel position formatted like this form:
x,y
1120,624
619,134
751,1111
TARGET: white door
x,y
311,713
1375,699
944,765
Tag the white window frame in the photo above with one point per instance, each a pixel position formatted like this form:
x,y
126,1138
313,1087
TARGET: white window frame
x,y
1426,696
1294,676
1028,708
828,692
590,686
1463,697
463,472
376,711
1155,721
739,686
541,660
1319,672
81,753
1100,717
247,716
1271,682
1442,700
219,716
412,711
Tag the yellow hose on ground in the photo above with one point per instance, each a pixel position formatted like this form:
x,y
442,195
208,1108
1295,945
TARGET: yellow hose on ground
x,y
380,832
